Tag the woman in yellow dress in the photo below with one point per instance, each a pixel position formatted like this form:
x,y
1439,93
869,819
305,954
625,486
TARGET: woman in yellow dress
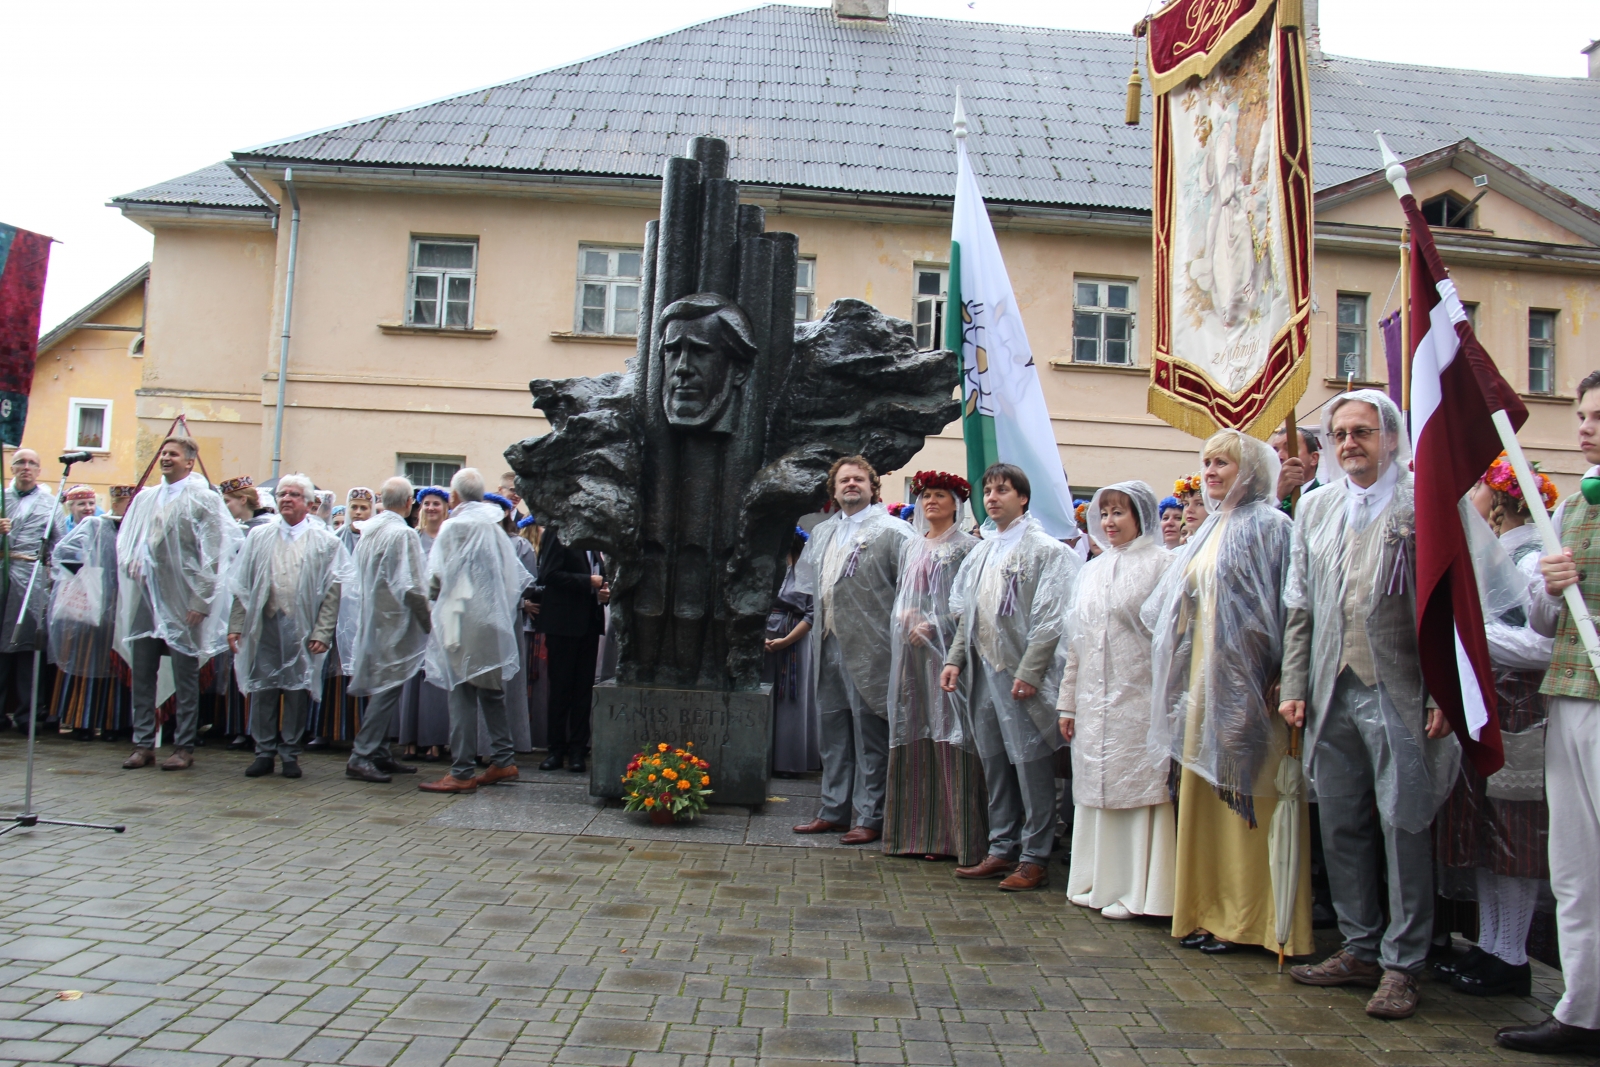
x,y
1217,620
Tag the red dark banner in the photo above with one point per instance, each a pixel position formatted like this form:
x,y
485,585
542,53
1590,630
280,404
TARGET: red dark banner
x,y
24,258
1187,37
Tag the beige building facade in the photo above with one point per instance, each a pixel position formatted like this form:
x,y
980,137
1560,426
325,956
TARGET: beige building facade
x,y
426,298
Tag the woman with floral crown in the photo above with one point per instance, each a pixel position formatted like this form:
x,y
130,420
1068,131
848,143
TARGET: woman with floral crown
x,y
934,804
1491,836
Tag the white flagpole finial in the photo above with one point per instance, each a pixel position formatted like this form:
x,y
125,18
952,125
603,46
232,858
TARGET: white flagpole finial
x,y
958,121
1392,167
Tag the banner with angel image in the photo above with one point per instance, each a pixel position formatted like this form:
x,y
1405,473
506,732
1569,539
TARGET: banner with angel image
x,y
1232,214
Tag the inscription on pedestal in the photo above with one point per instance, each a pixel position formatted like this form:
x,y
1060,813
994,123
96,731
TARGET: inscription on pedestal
x,y
731,730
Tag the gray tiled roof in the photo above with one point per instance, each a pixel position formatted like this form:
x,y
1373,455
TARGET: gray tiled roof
x,y
213,186
808,101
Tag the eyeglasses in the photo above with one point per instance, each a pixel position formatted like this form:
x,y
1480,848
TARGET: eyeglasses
x,y
1360,433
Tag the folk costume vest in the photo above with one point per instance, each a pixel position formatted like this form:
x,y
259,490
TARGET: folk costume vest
x,y
1569,674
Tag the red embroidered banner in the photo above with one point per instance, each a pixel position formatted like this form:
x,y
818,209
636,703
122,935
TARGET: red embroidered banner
x,y
1232,217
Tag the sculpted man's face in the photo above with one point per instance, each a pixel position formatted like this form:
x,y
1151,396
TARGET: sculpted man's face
x,y
700,373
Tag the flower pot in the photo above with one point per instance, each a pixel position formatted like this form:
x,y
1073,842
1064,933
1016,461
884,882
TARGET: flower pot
x,y
663,818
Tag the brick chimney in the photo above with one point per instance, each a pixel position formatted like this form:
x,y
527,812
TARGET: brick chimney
x,y
1312,32
861,10
1593,52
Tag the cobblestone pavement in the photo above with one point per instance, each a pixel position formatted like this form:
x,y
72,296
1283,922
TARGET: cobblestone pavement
x,y
324,921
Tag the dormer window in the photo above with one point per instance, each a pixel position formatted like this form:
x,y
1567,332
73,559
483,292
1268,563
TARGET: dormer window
x,y
1449,210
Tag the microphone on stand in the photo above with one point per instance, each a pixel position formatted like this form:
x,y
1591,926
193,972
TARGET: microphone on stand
x,y
67,459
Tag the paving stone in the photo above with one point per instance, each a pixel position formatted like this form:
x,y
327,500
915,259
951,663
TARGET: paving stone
x,y
139,969
93,1009
38,947
262,1040
805,1044
442,1007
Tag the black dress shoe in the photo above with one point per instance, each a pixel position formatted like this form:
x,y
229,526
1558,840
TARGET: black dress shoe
x,y
1218,947
1494,977
1447,967
1552,1035
389,766
552,762
262,766
1194,940
577,766
363,771
291,768
317,744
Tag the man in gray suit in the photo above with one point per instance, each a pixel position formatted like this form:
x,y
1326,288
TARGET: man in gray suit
x,y
851,566
1380,760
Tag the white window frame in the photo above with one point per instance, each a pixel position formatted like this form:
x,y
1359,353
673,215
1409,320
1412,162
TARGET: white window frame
x,y
612,282
935,305
77,404
1361,331
806,291
444,277
402,458
1546,345
1103,311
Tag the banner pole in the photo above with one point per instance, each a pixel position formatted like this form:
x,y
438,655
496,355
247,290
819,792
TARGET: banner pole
x,y
1405,318
1547,532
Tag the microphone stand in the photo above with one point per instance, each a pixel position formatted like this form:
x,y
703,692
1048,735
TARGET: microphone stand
x,y
29,817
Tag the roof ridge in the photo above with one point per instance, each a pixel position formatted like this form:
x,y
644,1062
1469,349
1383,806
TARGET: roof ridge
x,y
1574,79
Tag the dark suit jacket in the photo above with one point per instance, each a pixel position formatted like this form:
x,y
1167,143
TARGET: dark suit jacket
x,y
568,606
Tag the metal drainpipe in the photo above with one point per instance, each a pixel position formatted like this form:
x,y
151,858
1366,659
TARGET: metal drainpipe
x,y
288,310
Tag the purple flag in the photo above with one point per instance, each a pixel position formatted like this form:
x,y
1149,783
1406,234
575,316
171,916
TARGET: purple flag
x,y
1390,327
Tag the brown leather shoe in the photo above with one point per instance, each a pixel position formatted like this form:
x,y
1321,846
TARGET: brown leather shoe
x,y
818,826
180,760
1341,968
860,835
1027,876
142,757
988,867
450,784
1397,996
493,774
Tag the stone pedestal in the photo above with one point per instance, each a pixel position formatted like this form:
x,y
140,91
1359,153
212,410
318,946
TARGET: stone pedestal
x,y
730,730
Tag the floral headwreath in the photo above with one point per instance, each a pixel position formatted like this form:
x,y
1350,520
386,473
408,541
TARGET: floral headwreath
x,y
1081,513
951,483
1502,479
1169,503
432,490
1186,485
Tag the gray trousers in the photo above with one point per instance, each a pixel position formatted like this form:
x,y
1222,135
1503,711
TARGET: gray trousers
x,y
855,750
372,740
1351,827
466,702
1022,808
275,736
147,653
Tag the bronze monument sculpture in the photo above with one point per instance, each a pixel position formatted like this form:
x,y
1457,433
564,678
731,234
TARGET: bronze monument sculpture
x,y
690,468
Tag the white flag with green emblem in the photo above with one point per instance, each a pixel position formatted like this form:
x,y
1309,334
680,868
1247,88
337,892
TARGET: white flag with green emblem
x,y
1004,418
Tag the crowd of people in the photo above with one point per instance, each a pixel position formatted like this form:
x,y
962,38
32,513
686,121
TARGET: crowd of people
x,y
1144,693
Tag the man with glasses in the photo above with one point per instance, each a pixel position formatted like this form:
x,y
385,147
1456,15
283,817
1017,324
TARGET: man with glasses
x,y
28,534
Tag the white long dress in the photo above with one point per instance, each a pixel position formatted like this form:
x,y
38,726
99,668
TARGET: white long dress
x,y
1124,833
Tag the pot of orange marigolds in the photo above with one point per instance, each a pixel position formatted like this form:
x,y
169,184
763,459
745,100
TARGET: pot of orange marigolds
x,y
669,784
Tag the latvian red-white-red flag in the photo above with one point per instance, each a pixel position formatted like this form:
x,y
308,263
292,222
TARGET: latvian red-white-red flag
x,y
1455,388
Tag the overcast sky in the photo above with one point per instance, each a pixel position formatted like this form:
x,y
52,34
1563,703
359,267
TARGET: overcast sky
x,y
105,98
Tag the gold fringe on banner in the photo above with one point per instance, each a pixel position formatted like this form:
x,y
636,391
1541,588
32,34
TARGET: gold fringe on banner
x,y
1194,420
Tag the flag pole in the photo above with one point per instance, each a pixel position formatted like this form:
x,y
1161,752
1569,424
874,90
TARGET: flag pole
x,y
1396,173
1405,316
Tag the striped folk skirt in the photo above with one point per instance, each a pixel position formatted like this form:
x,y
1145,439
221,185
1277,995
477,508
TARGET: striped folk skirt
x,y
935,803
101,704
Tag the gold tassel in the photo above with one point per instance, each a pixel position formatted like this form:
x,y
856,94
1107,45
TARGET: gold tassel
x,y
1291,15
1134,85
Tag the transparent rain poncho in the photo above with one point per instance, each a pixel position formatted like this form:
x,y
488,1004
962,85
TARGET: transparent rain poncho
x,y
1105,658
83,598
479,582
1013,603
174,549
1342,535
1216,620
37,524
391,637
921,629
852,569
281,585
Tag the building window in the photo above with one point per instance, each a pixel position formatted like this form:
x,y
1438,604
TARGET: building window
x,y
444,277
1472,314
933,288
430,470
88,425
1352,342
1541,351
805,289
1449,210
608,290
1102,322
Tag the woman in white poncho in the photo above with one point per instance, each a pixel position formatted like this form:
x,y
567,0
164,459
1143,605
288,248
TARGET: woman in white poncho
x,y
1217,625
1124,837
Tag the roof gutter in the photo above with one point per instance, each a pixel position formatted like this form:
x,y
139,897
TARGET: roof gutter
x,y
288,311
